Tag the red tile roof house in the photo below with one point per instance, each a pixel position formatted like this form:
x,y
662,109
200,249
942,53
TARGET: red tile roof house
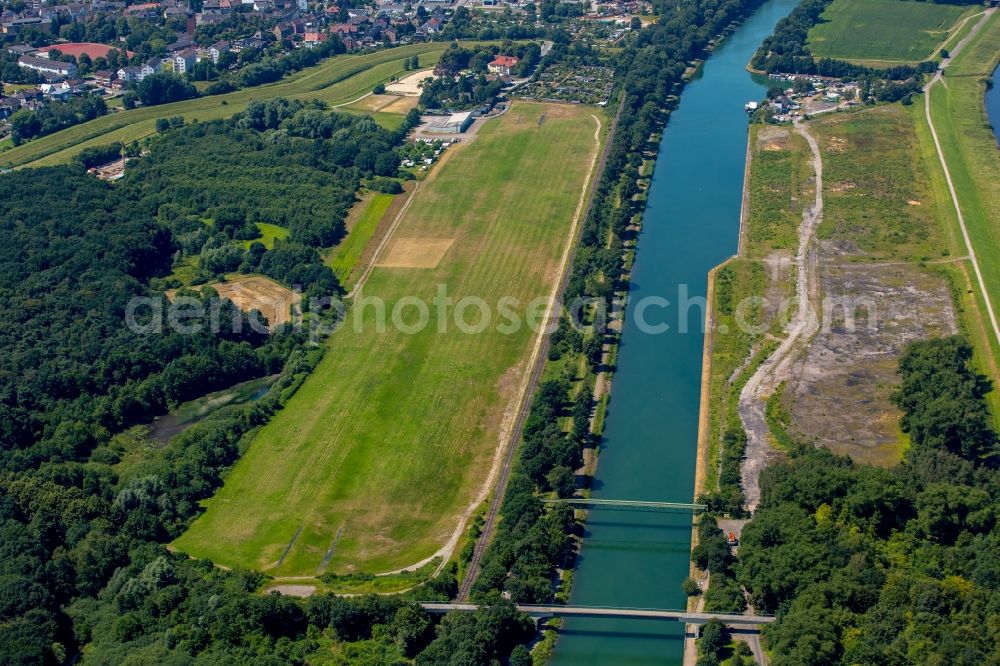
x,y
502,65
313,38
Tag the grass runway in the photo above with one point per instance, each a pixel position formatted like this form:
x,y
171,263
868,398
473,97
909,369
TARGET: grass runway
x,y
393,435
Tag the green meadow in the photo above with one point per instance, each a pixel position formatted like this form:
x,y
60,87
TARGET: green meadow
x,y
884,32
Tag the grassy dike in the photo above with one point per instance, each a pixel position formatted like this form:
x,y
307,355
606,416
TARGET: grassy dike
x,y
969,147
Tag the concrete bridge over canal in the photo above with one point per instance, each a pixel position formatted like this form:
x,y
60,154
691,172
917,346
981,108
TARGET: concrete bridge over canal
x,y
539,612
635,505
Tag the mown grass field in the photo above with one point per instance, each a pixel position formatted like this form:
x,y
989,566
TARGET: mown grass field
x,y
268,234
392,437
889,31
345,257
338,80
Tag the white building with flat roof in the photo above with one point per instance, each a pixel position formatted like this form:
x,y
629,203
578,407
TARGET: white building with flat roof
x,y
456,123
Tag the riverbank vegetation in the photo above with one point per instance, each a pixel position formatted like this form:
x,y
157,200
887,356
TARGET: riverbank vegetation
x,y
872,565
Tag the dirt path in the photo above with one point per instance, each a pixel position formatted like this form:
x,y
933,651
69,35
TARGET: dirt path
x,y
353,101
947,173
803,325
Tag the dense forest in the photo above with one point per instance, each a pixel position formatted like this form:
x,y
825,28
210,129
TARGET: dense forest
x,y
866,565
72,373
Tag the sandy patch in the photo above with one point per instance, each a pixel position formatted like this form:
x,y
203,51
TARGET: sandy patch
x,y
400,105
254,292
850,366
773,139
416,253
410,85
294,590
373,102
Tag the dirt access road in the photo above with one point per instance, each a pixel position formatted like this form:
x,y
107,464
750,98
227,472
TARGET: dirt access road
x,y
804,323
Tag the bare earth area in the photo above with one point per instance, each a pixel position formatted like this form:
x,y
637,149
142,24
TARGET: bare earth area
x,y
836,364
849,367
255,292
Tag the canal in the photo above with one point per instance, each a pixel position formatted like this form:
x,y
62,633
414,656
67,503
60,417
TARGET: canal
x,y
638,559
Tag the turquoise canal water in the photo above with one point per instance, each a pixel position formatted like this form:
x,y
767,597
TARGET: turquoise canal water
x,y
638,559
993,103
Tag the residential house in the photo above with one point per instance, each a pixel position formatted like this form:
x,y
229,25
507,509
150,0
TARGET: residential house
x,y
130,74
216,50
390,35
104,77
248,43
53,68
56,91
311,39
152,66
344,29
184,61
431,27
502,65
29,99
